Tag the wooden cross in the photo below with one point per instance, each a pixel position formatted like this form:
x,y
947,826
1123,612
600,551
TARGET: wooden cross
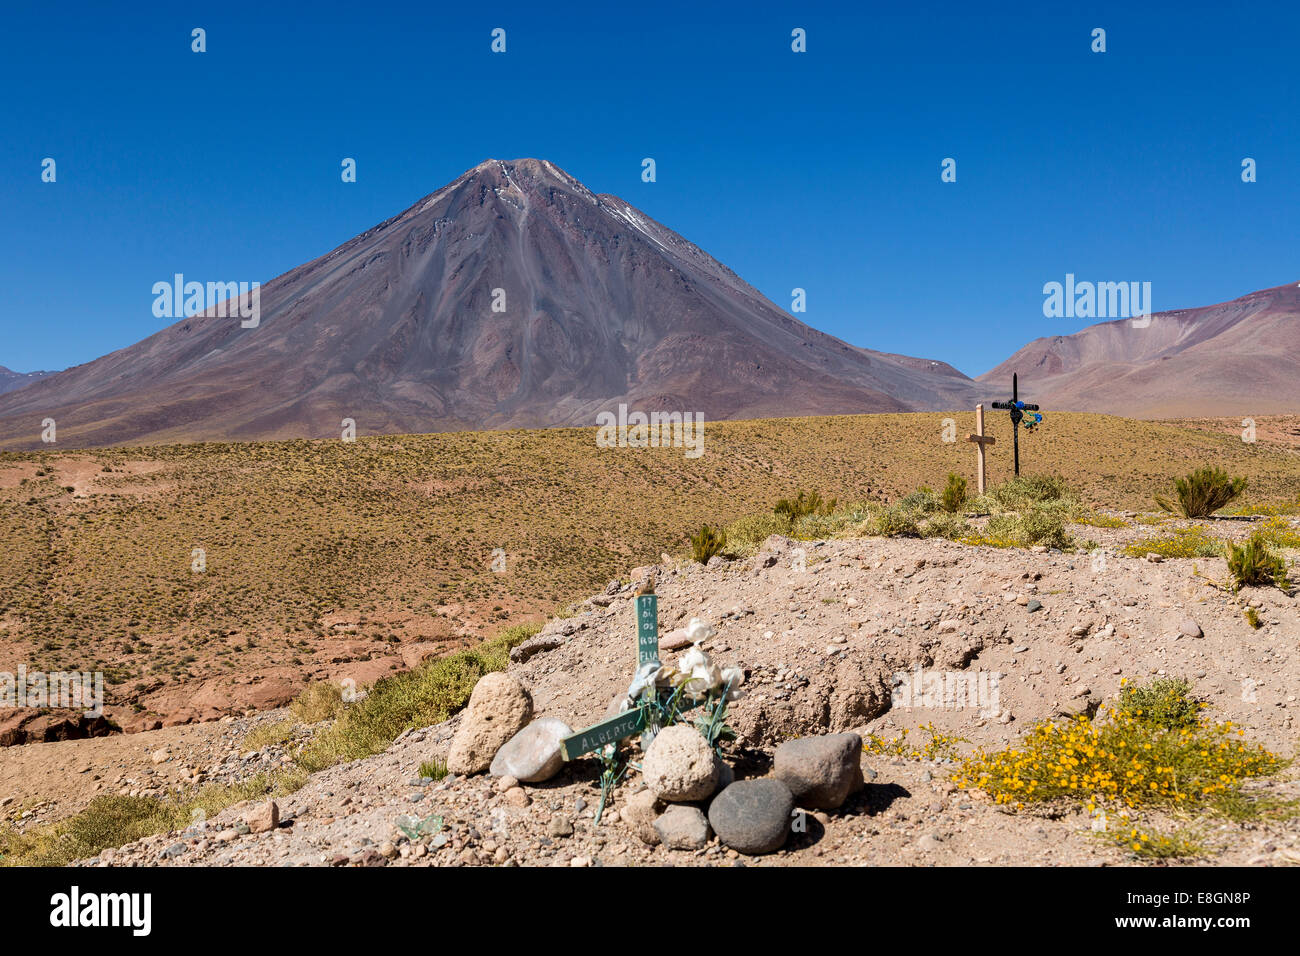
x,y
613,729
980,440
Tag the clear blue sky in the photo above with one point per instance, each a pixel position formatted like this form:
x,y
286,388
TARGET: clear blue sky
x,y
818,170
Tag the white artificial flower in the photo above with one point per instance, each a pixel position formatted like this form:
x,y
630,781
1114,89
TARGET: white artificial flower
x,y
732,678
702,673
699,631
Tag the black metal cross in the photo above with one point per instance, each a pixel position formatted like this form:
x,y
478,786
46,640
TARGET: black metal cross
x,y
1018,409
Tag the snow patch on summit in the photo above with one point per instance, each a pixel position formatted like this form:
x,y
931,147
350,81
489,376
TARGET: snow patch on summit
x,y
638,223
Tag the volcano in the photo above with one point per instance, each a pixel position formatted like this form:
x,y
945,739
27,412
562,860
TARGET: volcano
x,y
512,297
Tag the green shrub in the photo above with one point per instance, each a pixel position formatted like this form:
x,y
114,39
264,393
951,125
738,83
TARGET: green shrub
x,y
746,534
827,525
1025,491
1036,525
954,493
433,769
320,701
1166,703
707,542
945,525
113,820
921,502
1254,564
425,695
804,503
1202,493
894,521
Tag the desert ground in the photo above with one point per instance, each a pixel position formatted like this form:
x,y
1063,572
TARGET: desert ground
x,y
327,562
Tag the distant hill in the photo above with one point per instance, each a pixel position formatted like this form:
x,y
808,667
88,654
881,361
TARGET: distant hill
x,y
1236,358
11,380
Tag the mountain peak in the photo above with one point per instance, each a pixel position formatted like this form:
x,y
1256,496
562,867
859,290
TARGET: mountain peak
x,y
512,297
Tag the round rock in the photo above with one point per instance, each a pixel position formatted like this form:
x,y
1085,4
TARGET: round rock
x,y
683,828
821,772
680,766
533,754
499,708
753,816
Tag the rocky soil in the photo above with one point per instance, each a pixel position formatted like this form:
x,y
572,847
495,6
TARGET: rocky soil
x,y
824,631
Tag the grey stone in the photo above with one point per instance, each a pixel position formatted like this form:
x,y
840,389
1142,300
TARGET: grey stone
x,y
1189,628
821,772
681,827
753,816
537,644
533,754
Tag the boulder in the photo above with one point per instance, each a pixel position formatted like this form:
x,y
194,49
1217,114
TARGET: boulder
x,y
263,817
753,816
537,644
680,766
821,772
499,708
682,827
533,754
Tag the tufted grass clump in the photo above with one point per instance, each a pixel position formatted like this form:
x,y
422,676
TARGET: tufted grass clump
x,y
706,543
943,524
1028,491
1254,564
745,535
269,733
954,493
435,769
922,501
1121,759
1202,493
1036,525
425,695
802,504
894,521
113,820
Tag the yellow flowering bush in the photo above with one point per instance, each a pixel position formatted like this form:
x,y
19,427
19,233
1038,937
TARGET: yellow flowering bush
x,y
938,747
1121,759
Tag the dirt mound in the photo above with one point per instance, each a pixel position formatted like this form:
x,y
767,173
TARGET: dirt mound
x,y
833,635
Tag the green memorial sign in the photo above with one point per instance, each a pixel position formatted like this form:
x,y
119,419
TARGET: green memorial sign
x,y
629,722
647,628
606,732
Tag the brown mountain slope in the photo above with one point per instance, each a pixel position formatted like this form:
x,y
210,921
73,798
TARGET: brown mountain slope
x,y
11,380
396,329
1235,358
